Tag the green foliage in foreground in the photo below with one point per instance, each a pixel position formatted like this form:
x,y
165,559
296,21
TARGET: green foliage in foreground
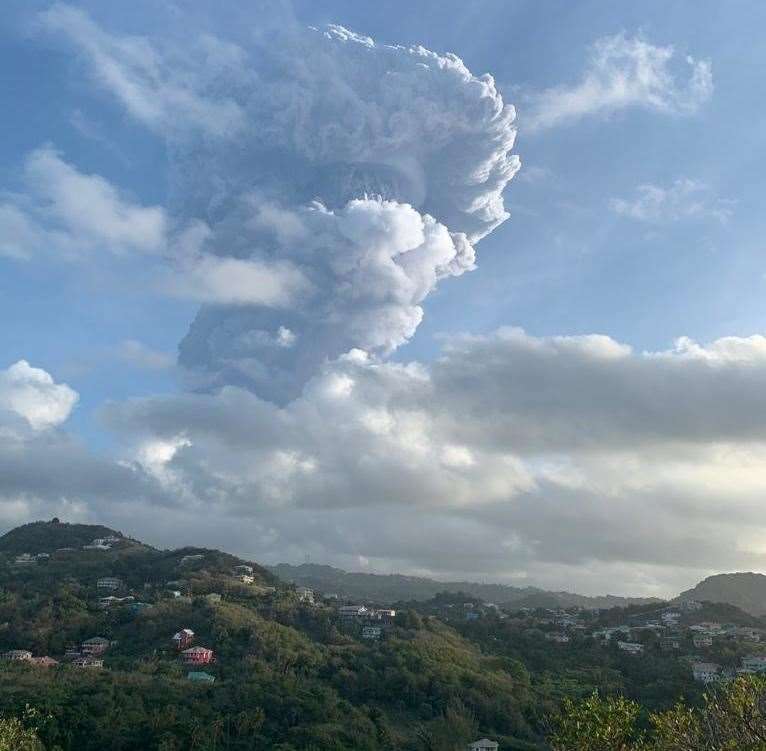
x,y
731,718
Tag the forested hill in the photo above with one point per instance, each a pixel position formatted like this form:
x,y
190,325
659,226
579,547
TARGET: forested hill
x,y
390,588
746,590
47,537
285,674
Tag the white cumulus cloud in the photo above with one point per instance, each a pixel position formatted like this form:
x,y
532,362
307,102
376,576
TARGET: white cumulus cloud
x,y
33,394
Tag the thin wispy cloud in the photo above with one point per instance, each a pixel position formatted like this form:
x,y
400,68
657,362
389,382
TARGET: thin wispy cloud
x,y
682,199
623,72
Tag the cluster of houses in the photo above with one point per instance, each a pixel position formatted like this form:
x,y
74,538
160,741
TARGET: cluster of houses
x,y
99,543
193,657
87,655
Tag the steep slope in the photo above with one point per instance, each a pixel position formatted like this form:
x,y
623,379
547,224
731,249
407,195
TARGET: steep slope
x,y
746,590
391,588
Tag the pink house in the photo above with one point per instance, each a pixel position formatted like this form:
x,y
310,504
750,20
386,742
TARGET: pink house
x,y
197,656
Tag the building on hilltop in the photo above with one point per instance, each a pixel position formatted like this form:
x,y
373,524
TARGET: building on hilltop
x,y
197,656
243,568
25,560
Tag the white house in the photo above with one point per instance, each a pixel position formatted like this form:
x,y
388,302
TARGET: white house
x,y
18,655
630,647
25,560
706,672
305,595
109,582
485,744
352,611
754,663
702,640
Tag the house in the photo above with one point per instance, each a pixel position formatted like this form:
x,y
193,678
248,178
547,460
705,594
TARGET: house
x,y
183,639
17,655
384,614
305,595
109,582
705,672
174,593
371,632
87,662
485,744
43,556
669,643
95,646
107,602
200,676
754,663
352,611
44,662
98,544
243,568
246,578
197,656
72,651
25,560
630,647
702,641
744,633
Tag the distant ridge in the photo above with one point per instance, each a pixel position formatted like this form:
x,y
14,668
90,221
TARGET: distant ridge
x,y
746,590
388,588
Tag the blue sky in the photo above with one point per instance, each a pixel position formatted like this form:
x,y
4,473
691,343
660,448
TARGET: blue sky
x,y
638,217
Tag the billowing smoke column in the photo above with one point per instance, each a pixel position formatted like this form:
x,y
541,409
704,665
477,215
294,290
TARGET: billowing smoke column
x,y
367,171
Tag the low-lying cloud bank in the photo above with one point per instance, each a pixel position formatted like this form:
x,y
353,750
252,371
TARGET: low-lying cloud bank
x,y
566,460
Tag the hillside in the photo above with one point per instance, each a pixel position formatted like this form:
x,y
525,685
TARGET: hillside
x,y
47,537
746,590
391,588
285,675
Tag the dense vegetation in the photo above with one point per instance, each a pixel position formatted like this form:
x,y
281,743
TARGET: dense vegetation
x,y
730,718
290,675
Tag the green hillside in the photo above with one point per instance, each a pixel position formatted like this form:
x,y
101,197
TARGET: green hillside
x,y
46,537
288,676
746,590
